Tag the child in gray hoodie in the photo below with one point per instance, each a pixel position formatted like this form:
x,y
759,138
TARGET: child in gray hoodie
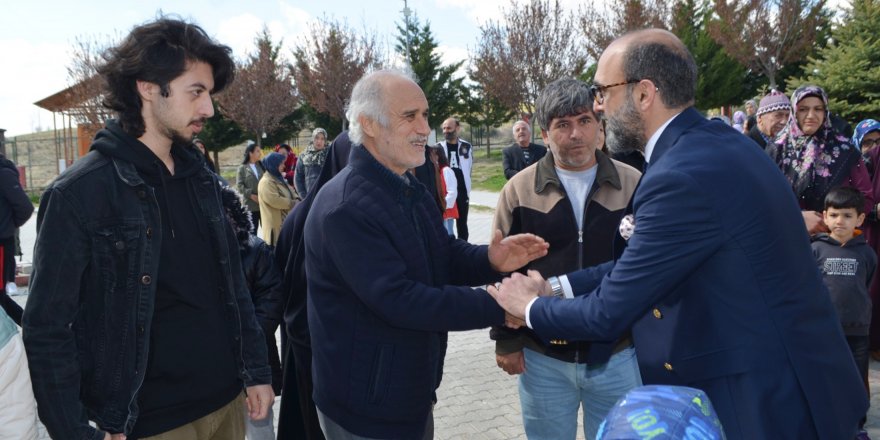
x,y
847,264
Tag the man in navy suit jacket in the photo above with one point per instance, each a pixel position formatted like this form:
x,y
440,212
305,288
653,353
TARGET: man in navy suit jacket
x,y
716,281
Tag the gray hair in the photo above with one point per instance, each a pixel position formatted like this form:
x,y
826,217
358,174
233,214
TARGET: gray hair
x,y
528,127
561,98
672,69
368,100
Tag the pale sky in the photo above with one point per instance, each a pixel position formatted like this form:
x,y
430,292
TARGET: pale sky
x,y
37,36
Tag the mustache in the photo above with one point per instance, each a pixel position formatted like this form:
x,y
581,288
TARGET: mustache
x,y
418,139
199,121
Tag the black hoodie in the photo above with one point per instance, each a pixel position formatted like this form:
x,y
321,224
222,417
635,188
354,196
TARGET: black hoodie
x,y
847,270
191,370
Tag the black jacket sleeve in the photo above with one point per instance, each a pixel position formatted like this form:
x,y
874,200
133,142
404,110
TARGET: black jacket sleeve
x,y
18,200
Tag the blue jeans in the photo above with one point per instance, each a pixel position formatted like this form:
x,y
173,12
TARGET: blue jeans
x,y
551,391
449,224
260,429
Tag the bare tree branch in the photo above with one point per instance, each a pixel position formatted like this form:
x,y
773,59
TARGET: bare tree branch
x,y
329,61
533,46
767,35
602,24
87,87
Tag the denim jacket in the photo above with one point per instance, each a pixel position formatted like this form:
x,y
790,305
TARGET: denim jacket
x,y
88,317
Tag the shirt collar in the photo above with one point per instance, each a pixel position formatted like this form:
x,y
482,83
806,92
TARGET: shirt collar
x,y
649,148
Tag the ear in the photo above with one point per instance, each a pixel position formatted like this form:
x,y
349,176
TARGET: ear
x,y
646,93
860,219
147,90
369,126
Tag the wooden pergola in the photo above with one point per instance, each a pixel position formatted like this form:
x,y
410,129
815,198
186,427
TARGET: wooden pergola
x,y
71,104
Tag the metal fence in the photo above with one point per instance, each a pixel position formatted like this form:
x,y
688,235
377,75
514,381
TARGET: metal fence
x,y
43,155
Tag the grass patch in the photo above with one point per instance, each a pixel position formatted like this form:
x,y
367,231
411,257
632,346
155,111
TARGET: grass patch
x,y
488,173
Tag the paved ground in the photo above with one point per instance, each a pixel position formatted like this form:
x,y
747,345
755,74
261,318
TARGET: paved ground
x,y
476,399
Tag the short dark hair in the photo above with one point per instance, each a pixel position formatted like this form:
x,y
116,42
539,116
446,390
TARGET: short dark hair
x,y
670,68
561,98
845,197
158,52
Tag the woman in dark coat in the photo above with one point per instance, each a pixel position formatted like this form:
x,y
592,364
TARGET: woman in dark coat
x,y
815,158
264,281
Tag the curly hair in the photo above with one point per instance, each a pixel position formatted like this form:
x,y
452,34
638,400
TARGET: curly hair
x,y
158,52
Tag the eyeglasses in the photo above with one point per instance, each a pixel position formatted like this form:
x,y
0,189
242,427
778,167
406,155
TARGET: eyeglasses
x,y
599,91
871,143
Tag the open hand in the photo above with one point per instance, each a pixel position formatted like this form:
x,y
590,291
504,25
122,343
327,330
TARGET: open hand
x,y
514,252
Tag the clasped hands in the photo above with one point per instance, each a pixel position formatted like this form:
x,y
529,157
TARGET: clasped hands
x,y
514,293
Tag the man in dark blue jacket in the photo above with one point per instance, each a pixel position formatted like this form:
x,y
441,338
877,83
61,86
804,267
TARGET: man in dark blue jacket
x,y
717,281
385,281
15,209
522,152
139,318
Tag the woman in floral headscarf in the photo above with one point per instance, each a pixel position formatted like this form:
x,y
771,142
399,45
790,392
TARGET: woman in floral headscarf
x,y
309,165
815,158
867,139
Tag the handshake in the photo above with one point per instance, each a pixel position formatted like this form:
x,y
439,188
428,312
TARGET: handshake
x,y
514,293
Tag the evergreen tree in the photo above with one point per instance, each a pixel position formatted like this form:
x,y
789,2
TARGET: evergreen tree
x,y
721,80
220,133
848,68
483,111
442,89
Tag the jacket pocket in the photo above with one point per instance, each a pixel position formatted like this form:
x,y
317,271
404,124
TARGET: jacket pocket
x,y
115,254
380,370
711,365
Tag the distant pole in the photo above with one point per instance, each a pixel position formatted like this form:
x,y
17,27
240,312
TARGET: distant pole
x,y
406,13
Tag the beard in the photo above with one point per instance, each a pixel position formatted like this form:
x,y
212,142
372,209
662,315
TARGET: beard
x,y
450,136
625,130
177,138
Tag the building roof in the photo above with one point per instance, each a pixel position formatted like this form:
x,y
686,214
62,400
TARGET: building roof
x,y
69,99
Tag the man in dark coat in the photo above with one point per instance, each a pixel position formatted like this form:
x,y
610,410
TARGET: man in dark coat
x,y
772,117
15,209
385,281
139,319
523,152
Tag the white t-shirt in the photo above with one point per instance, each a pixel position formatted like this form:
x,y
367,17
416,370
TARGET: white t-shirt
x,y
577,186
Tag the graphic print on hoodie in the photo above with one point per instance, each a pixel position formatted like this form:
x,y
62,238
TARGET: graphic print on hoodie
x,y
847,270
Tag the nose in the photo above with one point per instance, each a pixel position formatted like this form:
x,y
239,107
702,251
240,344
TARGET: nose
x,y
597,108
423,128
207,106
